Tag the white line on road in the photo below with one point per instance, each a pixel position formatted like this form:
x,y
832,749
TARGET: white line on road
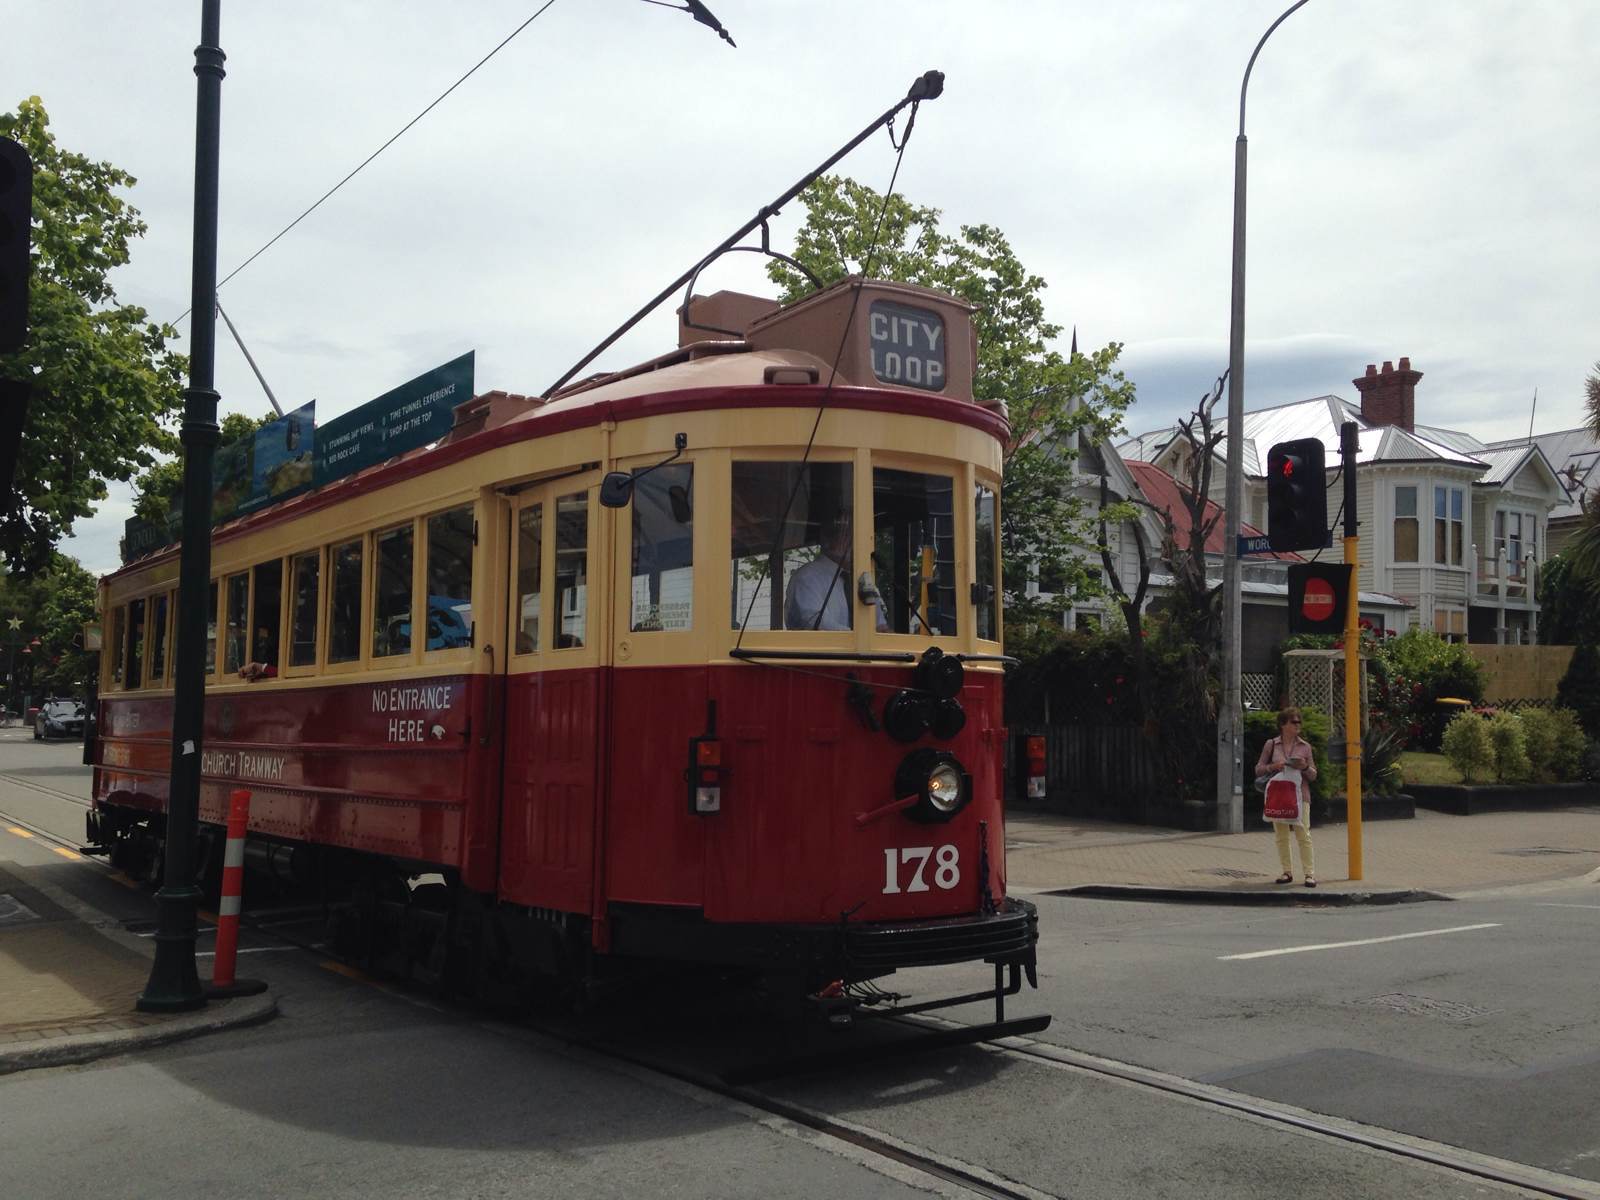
x,y
1398,937
1596,906
249,950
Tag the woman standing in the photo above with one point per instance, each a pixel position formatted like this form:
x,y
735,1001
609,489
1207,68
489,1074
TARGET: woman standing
x,y
1290,750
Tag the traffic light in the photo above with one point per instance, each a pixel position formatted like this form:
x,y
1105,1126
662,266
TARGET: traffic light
x,y
1297,496
16,217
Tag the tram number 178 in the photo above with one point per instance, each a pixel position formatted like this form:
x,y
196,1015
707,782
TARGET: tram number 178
x,y
913,860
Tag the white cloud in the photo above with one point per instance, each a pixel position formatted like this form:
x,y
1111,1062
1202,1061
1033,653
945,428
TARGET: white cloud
x,y
1421,178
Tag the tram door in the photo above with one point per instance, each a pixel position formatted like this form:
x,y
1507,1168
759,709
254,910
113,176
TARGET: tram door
x,y
553,706
658,685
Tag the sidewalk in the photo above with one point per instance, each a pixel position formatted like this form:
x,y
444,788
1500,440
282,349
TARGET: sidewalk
x,y
1432,856
69,978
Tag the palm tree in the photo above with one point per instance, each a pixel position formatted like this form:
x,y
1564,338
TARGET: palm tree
x,y
1585,551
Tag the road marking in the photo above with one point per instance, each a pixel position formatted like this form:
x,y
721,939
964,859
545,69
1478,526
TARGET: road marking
x,y
18,832
349,972
1398,937
65,853
1596,906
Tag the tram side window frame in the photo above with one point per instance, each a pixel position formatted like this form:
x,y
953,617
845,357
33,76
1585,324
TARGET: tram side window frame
x,y
274,661
449,622
318,556
159,638
119,633
363,607
213,631
408,529
538,505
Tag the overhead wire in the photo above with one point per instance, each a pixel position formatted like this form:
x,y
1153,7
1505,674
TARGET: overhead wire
x,y
396,137
867,263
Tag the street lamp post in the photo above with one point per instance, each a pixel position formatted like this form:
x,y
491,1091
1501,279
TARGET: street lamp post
x,y
1230,721
174,983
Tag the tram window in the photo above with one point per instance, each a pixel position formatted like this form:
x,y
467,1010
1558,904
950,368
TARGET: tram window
x,y
119,633
391,592
572,570
211,631
304,569
450,539
914,549
530,567
785,578
344,603
133,676
663,549
268,618
158,637
987,602
236,617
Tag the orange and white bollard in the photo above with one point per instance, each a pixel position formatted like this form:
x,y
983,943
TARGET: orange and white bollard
x,y
223,983
232,891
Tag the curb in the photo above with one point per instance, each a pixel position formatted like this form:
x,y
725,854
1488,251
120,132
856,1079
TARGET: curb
x,y
86,1047
1285,898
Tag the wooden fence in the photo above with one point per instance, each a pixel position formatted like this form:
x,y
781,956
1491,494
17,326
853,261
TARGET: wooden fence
x,y
1110,772
1521,672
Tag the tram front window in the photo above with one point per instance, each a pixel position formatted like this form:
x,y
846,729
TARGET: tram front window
x,y
914,548
792,529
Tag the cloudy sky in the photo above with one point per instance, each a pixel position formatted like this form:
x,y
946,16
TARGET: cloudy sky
x,y
1419,175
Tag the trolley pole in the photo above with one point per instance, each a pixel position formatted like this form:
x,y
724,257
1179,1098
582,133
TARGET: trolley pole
x,y
1352,652
174,984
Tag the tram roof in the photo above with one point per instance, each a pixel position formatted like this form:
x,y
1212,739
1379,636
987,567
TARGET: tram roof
x,y
701,373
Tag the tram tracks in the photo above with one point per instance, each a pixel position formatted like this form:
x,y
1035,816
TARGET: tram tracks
x,y
969,1178
975,1180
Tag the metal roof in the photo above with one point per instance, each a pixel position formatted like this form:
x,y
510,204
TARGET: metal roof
x,y
1321,417
1574,455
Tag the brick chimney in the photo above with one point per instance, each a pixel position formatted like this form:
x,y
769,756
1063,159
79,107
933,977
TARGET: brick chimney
x,y
1388,397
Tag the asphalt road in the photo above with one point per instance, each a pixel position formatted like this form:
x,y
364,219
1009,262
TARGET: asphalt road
x,y
1481,1038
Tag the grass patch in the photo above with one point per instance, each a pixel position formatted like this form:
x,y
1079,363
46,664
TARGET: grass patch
x,y
1417,767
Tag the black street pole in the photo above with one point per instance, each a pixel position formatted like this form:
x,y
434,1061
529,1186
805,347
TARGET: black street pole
x,y
174,985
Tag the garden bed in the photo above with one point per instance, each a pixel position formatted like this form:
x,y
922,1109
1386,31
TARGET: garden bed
x,y
1464,799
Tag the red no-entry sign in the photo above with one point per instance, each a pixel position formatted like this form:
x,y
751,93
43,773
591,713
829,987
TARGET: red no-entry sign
x,y
1318,593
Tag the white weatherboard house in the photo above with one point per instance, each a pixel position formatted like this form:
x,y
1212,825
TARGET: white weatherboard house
x,y
1451,525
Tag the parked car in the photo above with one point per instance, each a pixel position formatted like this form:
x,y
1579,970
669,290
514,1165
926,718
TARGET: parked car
x,y
58,718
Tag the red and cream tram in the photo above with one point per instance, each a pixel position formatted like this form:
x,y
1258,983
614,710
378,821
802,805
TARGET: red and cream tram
x,y
696,661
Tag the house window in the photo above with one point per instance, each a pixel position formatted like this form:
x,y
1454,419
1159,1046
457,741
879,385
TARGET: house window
x,y
1449,532
1450,624
1405,524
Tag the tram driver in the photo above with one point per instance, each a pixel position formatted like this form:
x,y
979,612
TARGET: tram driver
x,y
820,593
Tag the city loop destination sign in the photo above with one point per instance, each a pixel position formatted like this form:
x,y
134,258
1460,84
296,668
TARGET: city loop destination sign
x,y
293,454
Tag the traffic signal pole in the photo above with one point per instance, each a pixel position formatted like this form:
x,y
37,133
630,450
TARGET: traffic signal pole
x,y
1352,653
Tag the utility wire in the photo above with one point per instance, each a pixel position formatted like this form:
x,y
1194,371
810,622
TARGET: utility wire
x,y
379,150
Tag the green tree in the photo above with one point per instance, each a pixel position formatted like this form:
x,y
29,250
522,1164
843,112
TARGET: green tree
x,y
159,490
104,381
1579,688
1054,402
1585,552
52,605
1568,615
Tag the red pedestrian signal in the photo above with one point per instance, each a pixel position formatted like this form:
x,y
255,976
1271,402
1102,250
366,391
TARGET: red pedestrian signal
x,y
1297,497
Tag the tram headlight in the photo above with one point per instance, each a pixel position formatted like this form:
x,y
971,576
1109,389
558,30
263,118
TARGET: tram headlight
x,y
944,788
938,781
